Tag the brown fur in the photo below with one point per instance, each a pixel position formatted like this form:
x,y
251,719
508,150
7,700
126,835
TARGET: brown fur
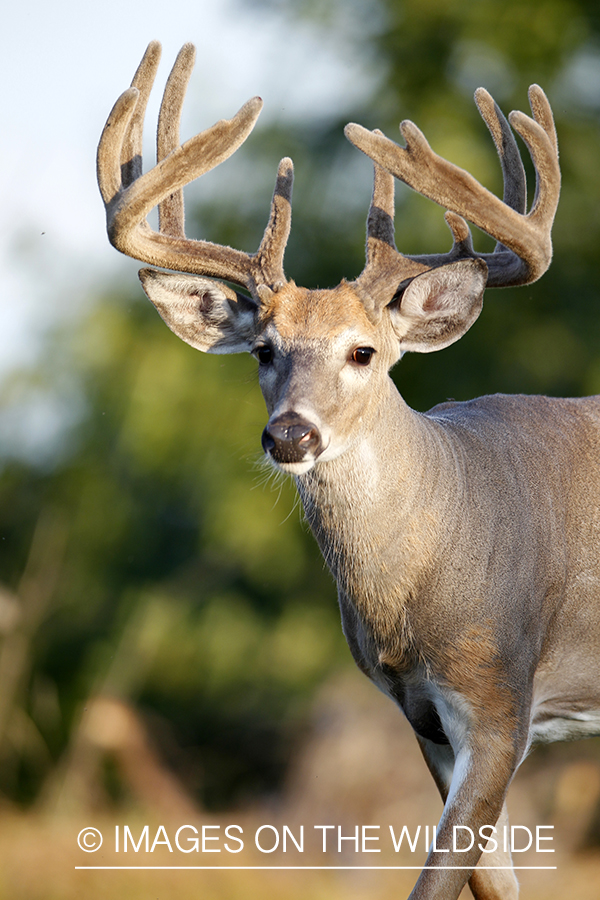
x,y
317,315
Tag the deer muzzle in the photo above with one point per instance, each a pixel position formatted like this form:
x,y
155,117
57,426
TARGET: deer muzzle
x,y
290,438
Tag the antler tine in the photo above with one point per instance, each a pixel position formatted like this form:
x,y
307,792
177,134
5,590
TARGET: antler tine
x,y
524,248
272,246
171,211
539,134
513,171
382,257
143,80
108,160
129,196
380,221
119,157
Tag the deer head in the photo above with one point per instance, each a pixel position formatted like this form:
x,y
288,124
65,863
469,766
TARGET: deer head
x,y
323,355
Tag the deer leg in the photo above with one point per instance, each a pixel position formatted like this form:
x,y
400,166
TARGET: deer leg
x,y
496,883
485,883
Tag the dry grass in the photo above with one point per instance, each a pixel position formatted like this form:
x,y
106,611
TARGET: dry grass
x,y
358,765
39,856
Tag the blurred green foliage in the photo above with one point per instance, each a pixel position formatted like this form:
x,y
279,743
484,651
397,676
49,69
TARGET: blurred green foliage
x,y
188,583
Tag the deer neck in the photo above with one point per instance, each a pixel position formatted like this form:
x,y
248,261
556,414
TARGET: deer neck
x,y
378,510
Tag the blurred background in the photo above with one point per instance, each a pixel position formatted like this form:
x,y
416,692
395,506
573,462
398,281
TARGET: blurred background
x,y
170,645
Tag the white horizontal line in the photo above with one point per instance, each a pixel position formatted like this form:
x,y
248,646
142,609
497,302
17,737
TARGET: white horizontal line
x,y
311,868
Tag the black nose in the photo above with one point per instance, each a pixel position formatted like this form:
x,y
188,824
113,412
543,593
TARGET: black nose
x,y
288,438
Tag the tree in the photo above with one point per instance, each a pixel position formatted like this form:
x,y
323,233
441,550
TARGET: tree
x,y
188,584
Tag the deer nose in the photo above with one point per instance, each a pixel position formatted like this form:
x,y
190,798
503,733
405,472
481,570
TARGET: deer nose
x,y
288,438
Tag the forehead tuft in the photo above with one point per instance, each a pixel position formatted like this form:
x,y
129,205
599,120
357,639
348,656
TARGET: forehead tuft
x,y
296,311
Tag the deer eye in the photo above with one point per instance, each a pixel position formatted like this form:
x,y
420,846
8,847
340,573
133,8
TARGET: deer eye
x,y
362,355
264,355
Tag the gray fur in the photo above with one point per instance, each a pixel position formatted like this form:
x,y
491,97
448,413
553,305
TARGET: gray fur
x,y
465,542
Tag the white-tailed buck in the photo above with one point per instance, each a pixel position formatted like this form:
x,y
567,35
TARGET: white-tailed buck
x,y
465,541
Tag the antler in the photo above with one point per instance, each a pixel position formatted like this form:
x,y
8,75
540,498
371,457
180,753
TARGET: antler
x,y
523,250
129,196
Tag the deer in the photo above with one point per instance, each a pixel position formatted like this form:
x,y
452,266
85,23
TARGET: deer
x,y
465,541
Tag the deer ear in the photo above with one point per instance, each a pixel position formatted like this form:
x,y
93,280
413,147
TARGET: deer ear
x,y
205,314
439,306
